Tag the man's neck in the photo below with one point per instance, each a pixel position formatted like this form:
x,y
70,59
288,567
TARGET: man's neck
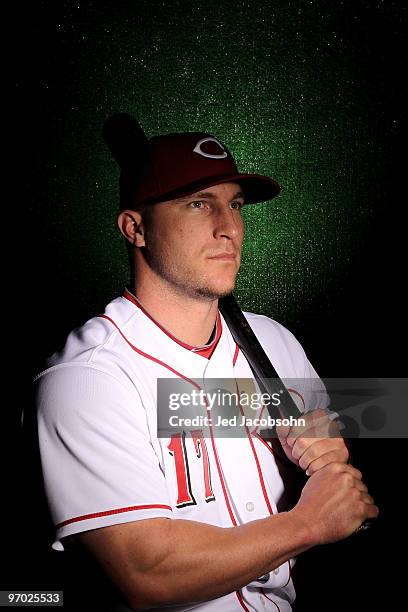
x,y
189,319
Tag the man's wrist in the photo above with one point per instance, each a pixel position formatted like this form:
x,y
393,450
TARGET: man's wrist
x,y
305,535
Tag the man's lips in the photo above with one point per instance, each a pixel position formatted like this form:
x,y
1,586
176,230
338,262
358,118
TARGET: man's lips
x,y
223,256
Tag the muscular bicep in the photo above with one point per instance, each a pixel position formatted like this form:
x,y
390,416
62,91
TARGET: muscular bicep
x,y
131,555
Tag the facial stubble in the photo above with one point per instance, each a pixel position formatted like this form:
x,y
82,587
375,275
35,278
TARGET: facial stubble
x,y
181,278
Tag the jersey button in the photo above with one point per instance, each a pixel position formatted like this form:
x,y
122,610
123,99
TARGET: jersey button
x,y
276,571
250,506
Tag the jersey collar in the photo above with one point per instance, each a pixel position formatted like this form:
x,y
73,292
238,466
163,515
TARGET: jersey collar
x,y
205,350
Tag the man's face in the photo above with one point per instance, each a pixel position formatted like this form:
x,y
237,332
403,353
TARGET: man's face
x,y
194,242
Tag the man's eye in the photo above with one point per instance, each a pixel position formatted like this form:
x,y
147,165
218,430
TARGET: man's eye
x,y
197,204
237,205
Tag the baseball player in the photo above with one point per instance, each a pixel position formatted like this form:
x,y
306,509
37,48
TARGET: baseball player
x,y
187,521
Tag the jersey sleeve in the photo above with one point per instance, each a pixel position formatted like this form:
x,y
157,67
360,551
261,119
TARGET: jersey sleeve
x,y
98,461
314,390
308,389
292,364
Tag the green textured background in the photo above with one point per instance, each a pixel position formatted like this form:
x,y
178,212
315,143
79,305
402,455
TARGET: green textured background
x,y
307,92
278,82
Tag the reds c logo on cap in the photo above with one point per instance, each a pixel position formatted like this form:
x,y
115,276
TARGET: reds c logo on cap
x,y
198,149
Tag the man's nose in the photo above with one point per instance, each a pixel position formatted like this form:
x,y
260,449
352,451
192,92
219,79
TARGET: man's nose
x,y
227,224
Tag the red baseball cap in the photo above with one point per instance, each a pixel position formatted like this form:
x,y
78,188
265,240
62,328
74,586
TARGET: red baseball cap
x,y
170,166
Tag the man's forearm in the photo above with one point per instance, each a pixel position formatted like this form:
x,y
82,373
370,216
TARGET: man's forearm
x,y
213,561
160,561
197,562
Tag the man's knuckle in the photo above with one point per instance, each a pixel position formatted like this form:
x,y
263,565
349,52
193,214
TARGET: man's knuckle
x,y
345,453
346,479
304,462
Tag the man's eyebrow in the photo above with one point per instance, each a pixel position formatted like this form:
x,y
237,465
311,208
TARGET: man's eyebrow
x,y
209,195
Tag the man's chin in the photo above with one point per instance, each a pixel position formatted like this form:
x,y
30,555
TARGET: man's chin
x,y
215,293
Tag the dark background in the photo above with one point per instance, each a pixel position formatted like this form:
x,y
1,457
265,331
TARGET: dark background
x,y
348,315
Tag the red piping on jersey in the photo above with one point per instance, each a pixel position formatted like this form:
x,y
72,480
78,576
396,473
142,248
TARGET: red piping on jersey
x,y
217,461
165,365
274,602
158,361
261,479
234,361
207,351
85,517
241,600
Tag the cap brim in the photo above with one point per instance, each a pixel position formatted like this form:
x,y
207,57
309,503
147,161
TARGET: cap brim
x,y
256,188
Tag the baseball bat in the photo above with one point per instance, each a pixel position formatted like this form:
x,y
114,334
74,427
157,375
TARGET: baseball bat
x,y
264,372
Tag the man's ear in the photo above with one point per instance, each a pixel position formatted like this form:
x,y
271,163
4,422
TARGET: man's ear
x,y
130,224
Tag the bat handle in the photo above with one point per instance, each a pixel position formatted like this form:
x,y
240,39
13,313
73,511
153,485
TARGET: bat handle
x,y
367,524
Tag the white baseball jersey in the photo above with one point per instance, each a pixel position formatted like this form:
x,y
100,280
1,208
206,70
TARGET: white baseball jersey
x,y
104,464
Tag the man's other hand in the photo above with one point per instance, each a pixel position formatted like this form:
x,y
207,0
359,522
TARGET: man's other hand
x,y
314,445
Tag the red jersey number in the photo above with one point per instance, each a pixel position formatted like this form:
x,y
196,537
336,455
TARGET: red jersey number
x,y
177,449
